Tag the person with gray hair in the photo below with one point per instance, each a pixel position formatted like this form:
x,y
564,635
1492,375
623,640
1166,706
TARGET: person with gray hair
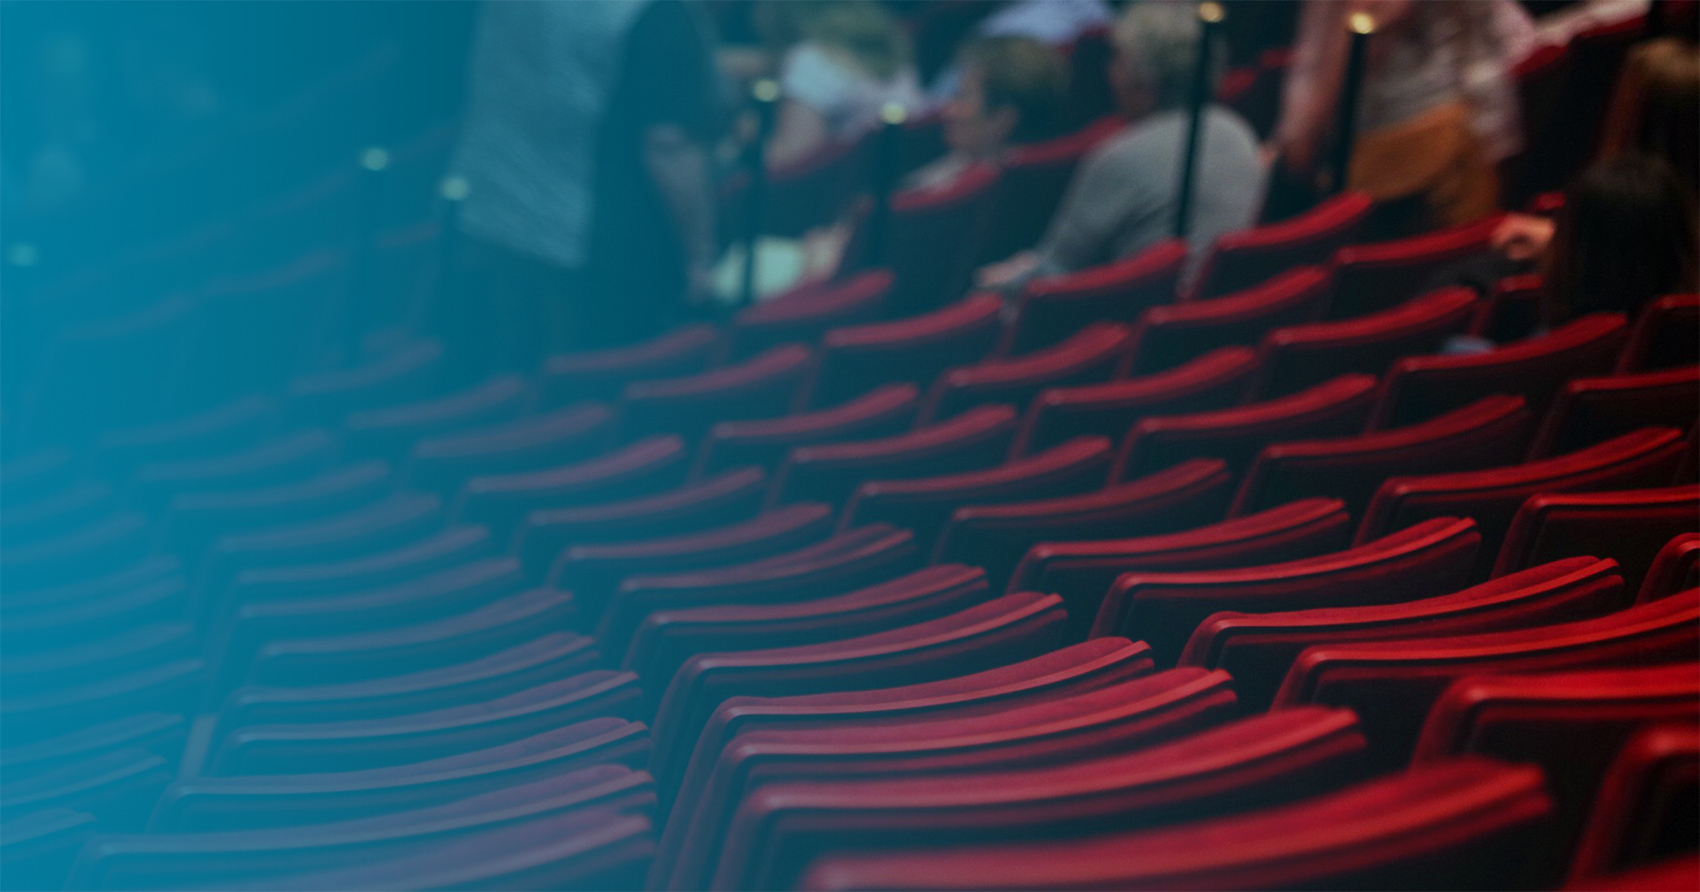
x,y
1122,199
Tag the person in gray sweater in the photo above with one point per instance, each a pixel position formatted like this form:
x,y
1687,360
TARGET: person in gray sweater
x,y
1122,199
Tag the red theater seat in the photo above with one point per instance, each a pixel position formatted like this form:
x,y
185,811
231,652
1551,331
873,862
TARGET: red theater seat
x,y
763,386
972,440
1093,354
932,239
1163,609
1301,355
1082,571
804,314
1572,724
1215,380
1241,260
194,519
1421,387
925,504
1628,526
643,467
117,788
764,845
1257,649
393,430
1005,630
40,846
672,634
1673,569
443,463
1391,685
840,563
995,536
260,801
1035,177
913,350
1512,311
594,571
1333,408
1051,309
1371,278
1460,825
602,374
282,459
1644,810
1591,410
1664,335
1169,335
1488,433
881,412
732,497
1644,458
1082,667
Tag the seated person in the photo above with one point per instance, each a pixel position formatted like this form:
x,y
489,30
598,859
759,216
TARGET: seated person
x,y
851,60
1122,199
1009,95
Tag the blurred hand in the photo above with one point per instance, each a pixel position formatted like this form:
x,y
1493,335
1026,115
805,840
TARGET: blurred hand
x,y
1522,236
1003,272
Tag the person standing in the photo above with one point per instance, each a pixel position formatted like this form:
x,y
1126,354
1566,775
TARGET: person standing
x,y
588,219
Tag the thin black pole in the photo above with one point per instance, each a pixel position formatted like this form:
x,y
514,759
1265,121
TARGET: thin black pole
x,y
1655,18
1360,25
1210,18
766,94
453,190
885,179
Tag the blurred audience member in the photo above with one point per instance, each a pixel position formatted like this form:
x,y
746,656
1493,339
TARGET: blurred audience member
x,y
589,217
1055,23
1656,109
1437,104
850,59
1122,199
1010,94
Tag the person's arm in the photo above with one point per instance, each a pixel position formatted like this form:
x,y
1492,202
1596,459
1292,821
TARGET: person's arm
x,y
680,169
1095,208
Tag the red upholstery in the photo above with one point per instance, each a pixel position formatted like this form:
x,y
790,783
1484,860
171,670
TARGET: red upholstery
x,y
803,314
392,429
913,350
1512,311
842,563
1628,526
814,190
1173,334
1245,764
195,519
1258,649
1492,496
1590,410
503,500
672,634
1301,355
1215,380
1458,823
932,239
1641,814
995,536
444,462
925,504
1572,724
975,439
764,386
1391,685
1242,260
1420,387
374,528
762,842
732,497
1163,608
1082,571
1054,308
602,374
594,572
1371,278
1673,569
1011,628
1330,409
1093,354
683,854
1485,434
1663,335
883,411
